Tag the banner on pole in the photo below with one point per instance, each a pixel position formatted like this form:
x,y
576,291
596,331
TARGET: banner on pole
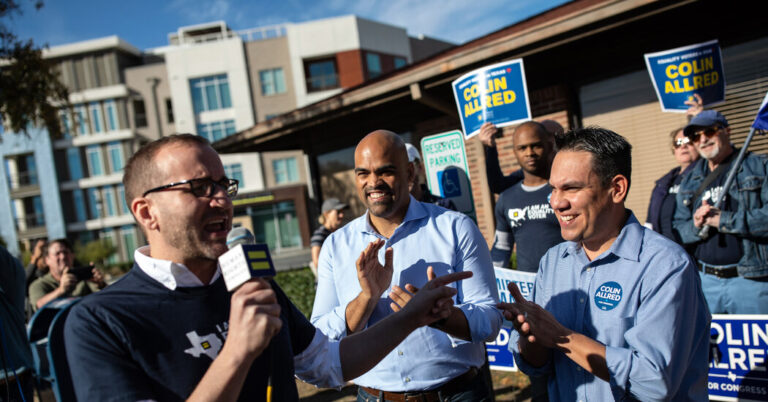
x,y
679,73
495,94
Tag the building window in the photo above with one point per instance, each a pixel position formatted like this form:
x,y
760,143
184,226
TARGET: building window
x,y
96,118
210,93
66,126
139,113
78,202
128,234
373,64
321,74
95,164
74,163
94,203
285,170
110,203
115,152
272,81
124,209
38,217
169,110
216,130
276,225
82,122
400,62
108,235
235,171
111,108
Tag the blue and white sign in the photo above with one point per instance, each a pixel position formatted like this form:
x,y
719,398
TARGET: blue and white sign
x,y
738,358
679,73
608,296
499,356
447,170
495,94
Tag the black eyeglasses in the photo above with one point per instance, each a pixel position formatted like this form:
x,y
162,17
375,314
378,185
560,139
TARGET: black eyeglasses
x,y
707,132
203,187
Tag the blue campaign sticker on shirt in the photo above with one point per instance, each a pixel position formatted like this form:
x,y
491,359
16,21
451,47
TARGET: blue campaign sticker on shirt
x,y
608,296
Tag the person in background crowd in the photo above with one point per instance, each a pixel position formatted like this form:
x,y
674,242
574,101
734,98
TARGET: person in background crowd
x,y
63,278
15,356
523,214
497,182
418,188
617,311
36,267
414,240
661,209
169,330
331,218
733,254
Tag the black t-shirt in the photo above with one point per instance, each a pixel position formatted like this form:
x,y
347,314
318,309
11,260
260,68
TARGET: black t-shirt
x,y
667,211
719,248
138,340
524,215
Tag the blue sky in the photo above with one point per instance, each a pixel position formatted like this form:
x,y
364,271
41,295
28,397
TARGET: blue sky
x,y
146,23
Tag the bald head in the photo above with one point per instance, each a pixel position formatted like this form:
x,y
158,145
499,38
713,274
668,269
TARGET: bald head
x,y
382,174
385,140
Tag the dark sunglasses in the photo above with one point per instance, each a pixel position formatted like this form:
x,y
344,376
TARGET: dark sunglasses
x,y
681,141
203,187
707,132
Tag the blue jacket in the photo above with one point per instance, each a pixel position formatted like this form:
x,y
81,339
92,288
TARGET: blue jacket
x,y
657,197
749,222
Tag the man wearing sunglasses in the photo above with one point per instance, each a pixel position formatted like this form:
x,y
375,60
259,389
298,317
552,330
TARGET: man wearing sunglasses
x,y
732,258
169,330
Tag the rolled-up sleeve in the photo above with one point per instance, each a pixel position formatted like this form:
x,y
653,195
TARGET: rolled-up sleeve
x,y
328,312
477,296
320,363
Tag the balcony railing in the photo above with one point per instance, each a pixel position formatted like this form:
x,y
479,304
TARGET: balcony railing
x,y
22,179
30,221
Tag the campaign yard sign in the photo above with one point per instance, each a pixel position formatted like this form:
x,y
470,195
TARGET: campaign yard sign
x,y
499,356
679,73
495,94
447,171
737,358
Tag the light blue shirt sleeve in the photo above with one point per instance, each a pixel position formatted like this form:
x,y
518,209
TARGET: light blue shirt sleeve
x,y
514,336
328,312
477,297
651,368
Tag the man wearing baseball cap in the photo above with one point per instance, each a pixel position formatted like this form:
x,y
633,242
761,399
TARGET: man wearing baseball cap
x,y
732,259
331,217
419,190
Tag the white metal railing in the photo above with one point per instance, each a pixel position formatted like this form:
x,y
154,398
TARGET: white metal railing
x,y
261,33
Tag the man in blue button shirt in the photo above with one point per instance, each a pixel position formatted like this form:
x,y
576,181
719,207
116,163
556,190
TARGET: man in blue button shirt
x,y
408,236
617,312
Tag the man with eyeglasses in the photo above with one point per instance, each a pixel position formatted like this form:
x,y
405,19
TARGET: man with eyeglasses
x,y
169,330
732,258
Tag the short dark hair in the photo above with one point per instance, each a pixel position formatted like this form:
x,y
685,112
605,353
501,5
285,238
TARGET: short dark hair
x,y
611,153
140,171
538,128
63,242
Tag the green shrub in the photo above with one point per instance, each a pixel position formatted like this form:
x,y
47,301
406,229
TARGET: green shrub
x,y
299,285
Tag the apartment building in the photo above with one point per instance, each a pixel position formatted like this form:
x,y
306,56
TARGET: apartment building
x,y
209,80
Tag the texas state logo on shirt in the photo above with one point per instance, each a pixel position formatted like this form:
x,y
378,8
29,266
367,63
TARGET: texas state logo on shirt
x,y
532,212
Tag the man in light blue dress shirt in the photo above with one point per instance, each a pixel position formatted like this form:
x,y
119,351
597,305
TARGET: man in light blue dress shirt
x,y
617,312
356,290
